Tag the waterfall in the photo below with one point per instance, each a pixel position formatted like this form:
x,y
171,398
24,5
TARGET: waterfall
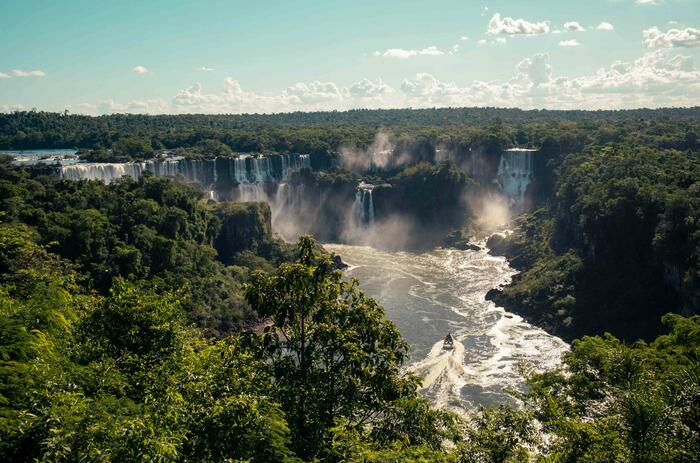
x,y
363,206
240,170
217,173
358,207
105,172
515,173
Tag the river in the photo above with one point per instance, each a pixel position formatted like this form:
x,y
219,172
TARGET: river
x,y
428,295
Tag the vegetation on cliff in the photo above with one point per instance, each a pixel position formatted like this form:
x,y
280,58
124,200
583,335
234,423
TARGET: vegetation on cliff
x,y
152,230
615,249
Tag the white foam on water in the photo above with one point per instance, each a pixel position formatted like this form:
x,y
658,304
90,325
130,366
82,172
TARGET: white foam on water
x,y
430,294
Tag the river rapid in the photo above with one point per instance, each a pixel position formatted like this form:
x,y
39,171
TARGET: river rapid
x,y
428,295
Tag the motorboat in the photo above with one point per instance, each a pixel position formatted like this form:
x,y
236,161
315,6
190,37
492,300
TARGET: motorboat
x,y
448,343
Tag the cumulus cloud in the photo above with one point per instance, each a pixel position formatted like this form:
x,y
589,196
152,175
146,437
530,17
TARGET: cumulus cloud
x,y
404,54
4,76
655,79
569,43
648,2
139,70
206,69
509,26
500,40
372,89
21,73
658,78
573,26
149,106
302,96
315,92
464,38
536,68
684,38
425,84
7,108
605,26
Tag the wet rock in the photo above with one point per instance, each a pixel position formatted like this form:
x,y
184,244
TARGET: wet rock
x,y
338,263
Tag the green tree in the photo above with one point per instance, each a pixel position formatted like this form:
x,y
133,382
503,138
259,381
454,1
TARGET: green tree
x,y
332,352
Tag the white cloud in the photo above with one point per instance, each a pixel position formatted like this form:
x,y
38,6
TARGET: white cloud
x,y
605,26
21,73
139,70
433,50
464,38
536,68
658,78
482,42
315,92
399,53
4,76
655,79
648,2
8,108
655,38
404,54
367,88
454,49
313,96
510,26
573,26
569,43
425,84
206,69
500,40
151,106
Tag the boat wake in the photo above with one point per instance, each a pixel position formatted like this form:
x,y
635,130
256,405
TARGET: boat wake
x,y
431,294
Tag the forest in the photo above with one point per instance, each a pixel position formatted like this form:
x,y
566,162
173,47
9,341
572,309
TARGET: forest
x,y
141,322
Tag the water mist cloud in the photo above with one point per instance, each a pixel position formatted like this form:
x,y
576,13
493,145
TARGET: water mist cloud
x,y
380,153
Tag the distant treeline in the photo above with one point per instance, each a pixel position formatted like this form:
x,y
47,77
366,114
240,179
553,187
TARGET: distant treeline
x,y
325,132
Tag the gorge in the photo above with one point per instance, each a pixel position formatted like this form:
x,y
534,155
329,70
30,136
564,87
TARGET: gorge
x,y
427,292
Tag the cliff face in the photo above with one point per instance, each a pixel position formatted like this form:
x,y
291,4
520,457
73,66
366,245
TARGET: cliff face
x,y
243,226
620,246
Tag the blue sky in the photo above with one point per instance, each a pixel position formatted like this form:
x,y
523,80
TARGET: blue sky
x,y
160,56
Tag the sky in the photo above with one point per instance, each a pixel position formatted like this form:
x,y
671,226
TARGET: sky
x,y
216,56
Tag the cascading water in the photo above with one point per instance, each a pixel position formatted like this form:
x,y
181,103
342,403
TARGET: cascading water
x,y
209,173
105,172
363,207
515,172
430,294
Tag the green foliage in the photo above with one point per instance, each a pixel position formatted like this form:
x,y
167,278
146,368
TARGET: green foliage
x,y
502,434
616,248
119,378
153,230
331,350
133,149
615,402
431,193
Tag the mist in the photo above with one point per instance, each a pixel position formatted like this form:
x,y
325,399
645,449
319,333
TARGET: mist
x,y
382,153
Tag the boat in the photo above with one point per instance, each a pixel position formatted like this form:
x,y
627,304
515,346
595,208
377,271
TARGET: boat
x,y
448,343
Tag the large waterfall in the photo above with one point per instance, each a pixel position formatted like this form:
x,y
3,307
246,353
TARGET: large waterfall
x,y
222,172
515,172
363,207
